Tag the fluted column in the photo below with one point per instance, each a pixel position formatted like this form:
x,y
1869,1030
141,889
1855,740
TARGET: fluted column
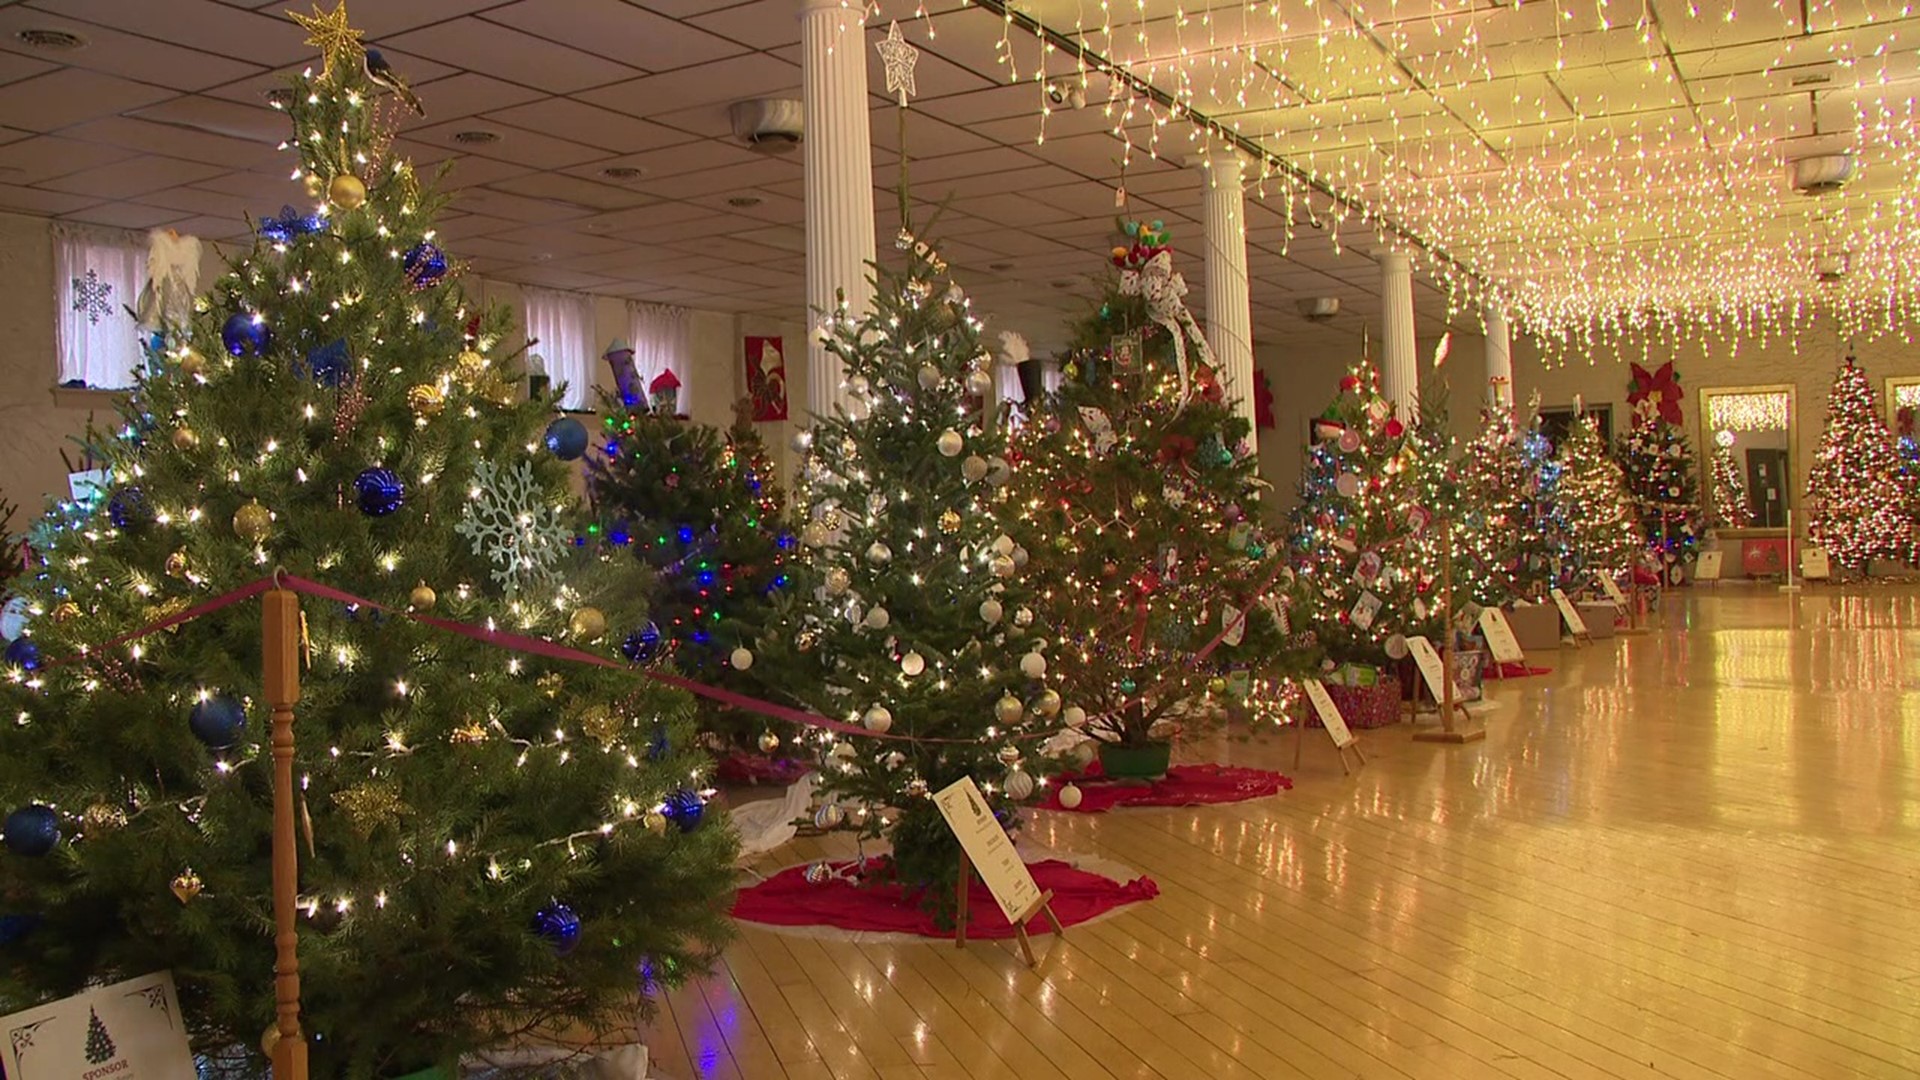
x,y
1399,373
839,182
1499,358
1229,302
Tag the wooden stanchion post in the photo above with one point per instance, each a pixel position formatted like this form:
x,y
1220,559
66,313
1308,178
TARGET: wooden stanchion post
x,y
280,671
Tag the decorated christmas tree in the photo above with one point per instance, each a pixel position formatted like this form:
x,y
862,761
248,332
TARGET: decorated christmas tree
x,y
1364,588
1730,507
1858,492
492,843
913,603
1443,552
1510,523
1140,503
1658,463
1600,532
702,510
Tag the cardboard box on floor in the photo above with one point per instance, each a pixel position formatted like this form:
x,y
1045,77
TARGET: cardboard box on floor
x,y
1535,626
1601,616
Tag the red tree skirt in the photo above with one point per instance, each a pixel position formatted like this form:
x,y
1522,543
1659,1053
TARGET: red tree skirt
x,y
786,899
739,767
1184,785
1511,670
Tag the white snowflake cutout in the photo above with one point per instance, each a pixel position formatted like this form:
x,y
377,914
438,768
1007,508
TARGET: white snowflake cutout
x,y
513,523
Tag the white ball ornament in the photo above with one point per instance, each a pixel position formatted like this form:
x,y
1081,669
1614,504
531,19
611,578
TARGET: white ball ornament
x,y
858,385
913,664
829,816
878,618
929,376
990,611
1074,717
1019,785
1070,797
878,720
742,659
1020,555
950,443
879,553
1003,544
1002,566
974,468
845,750
1023,617
1033,665
998,471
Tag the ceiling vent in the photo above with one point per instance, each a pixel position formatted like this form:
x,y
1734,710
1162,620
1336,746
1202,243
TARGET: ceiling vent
x,y
1319,308
477,137
1821,175
50,40
769,125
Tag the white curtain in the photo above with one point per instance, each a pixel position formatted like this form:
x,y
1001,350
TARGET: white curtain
x,y
97,275
562,325
662,341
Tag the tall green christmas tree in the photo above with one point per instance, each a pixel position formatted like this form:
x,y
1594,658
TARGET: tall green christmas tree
x,y
1510,521
702,510
1658,464
519,835
1443,552
1858,492
1600,530
1140,503
912,600
1730,507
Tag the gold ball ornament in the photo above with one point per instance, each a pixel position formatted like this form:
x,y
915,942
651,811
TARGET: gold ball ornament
x,y
838,581
504,391
469,368
186,886
177,564
426,401
253,522
949,522
1008,709
66,612
193,364
1140,500
270,1038
950,443
655,821
601,724
1048,703
185,438
1216,685
769,742
587,624
101,818
314,185
347,192
422,598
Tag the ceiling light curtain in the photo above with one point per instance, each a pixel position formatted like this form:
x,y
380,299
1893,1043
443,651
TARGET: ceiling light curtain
x,y
562,324
662,337
97,274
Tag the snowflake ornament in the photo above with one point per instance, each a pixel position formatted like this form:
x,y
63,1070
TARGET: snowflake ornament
x,y
899,58
511,522
92,297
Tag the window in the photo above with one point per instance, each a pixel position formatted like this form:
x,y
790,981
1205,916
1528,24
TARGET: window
x,y
662,341
97,276
561,325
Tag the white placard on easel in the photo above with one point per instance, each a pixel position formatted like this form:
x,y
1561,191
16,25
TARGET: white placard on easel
x,y
1500,640
1575,624
1815,565
1707,567
1612,589
1432,670
128,1031
988,848
1329,714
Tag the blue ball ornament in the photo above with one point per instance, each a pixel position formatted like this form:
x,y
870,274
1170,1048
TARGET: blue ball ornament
x,y
685,808
127,509
567,438
246,334
218,721
379,492
558,924
330,364
425,264
32,831
24,654
643,644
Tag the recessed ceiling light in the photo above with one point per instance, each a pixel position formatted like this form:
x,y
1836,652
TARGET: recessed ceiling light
x,y
1000,266
623,172
745,200
1062,284
55,40
476,137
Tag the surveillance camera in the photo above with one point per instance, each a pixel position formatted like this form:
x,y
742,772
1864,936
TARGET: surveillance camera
x,y
1057,93
1067,93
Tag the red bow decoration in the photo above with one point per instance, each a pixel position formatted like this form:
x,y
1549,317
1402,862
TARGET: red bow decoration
x,y
1177,448
1144,583
1661,388
1262,400
1207,385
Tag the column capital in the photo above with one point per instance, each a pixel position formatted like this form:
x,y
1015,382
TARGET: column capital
x,y
1219,157
807,7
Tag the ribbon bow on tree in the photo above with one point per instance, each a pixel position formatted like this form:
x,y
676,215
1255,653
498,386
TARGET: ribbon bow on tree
x,y
1661,388
1155,280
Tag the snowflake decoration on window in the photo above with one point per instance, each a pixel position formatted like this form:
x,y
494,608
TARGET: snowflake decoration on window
x,y
92,297
513,523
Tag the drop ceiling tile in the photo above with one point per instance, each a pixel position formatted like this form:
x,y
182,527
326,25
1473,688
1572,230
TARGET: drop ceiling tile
x,y
517,207
71,95
926,136
192,201
182,142
519,146
36,201
383,20
256,37
43,157
118,181
467,94
589,125
732,79
14,67
570,190
635,36
111,52
126,215
513,56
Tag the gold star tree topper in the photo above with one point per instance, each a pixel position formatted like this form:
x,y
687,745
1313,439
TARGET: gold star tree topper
x,y
328,31
899,58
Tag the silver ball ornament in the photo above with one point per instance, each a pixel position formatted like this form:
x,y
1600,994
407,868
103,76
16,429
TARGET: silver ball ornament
x,y
990,611
878,720
973,469
978,383
1074,717
912,664
950,443
998,471
1008,709
741,658
878,618
1003,566
1019,785
879,554
929,376
1033,665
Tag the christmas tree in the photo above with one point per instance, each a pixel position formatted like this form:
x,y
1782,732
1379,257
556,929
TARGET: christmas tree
x,y
701,509
503,826
1858,492
100,1048
1659,467
1443,553
1730,507
1140,503
1365,591
911,602
1509,521
1600,530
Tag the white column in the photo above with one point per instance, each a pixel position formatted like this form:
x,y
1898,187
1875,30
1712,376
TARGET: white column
x,y
839,180
1499,358
1399,372
1229,302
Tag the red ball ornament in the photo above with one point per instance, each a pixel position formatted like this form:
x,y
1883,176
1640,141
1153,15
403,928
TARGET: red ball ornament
x,y
1349,384
1395,429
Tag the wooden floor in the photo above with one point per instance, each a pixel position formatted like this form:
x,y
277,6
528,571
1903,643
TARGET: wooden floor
x,y
1687,854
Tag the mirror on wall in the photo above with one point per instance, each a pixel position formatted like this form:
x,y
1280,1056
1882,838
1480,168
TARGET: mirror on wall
x,y
1747,434
1903,415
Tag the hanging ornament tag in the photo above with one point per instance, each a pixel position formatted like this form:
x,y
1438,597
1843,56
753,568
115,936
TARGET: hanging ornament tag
x,y
1234,621
1364,610
1419,608
1368,568
1418,518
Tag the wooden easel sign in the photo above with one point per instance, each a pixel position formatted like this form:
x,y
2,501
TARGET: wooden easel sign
x,y
1611,589
128,1031
1576,625
1433,672
1500,640
1815,565
985,850
1707,566
1336,725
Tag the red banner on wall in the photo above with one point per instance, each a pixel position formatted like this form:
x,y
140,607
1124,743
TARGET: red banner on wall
x,y
767,378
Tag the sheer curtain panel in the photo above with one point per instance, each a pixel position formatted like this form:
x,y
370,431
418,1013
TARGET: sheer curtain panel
x,y
97,275
662,341
562,325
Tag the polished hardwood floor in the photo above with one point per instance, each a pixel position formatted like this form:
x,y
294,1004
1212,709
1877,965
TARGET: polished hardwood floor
x,y
1692,853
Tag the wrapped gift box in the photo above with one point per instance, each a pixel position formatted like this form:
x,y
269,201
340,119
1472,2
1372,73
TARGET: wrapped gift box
x,y
1375,706
1535,626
